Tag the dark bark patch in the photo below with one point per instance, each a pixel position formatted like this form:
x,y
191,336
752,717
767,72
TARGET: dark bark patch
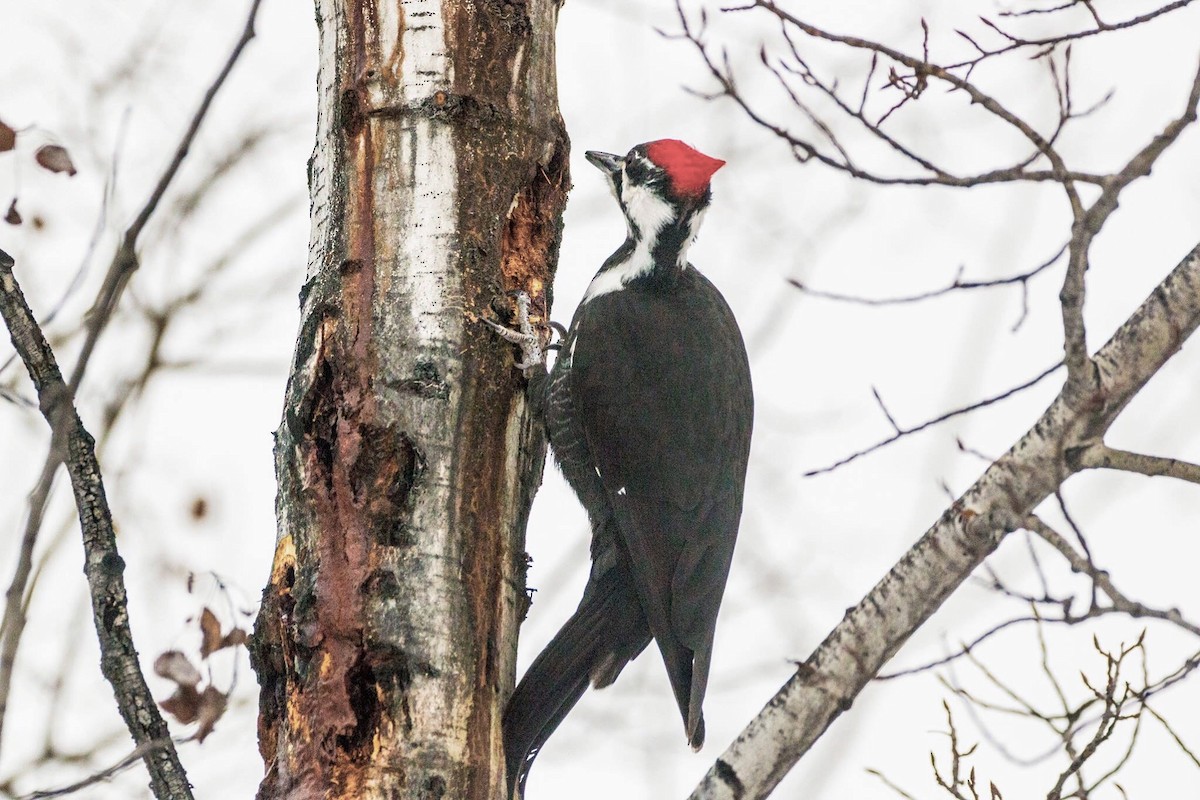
x,y
271,651
462,109
393,676
425,381
382,478
434,788
350,112
730,778
512,14
362,690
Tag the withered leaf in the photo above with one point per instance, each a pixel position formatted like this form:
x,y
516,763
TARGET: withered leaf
x,y
210,628
212,707
13,217
199,509
174,666
235,637
8,137
184,705
54,158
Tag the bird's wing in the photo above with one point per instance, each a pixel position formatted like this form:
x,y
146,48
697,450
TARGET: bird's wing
x,y
662,393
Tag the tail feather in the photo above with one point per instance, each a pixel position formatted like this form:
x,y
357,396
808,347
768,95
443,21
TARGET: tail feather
x,y
606,632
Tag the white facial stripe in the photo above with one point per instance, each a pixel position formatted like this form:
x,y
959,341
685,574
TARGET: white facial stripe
x,y
649,213
645,209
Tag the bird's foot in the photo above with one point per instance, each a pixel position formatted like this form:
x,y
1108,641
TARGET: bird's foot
x,y
524,336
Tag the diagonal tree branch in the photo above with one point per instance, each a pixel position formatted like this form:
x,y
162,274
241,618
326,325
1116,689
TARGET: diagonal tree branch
x,y
967,532
124,263
102,563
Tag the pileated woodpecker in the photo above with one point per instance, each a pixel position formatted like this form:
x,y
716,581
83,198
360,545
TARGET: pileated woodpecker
x,y
648,410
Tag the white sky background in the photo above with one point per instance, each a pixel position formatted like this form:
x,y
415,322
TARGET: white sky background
x,y
104,78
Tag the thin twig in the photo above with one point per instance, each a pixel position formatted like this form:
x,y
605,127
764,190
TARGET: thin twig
x,y
958,284
1101,579
139,752
958,412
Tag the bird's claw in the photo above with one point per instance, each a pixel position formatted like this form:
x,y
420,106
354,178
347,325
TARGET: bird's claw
x,y
525,336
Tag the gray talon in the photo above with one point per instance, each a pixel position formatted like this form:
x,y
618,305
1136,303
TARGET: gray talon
x,y
526,336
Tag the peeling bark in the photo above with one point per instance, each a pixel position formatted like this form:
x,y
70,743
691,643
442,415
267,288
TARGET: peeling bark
x,y
407,457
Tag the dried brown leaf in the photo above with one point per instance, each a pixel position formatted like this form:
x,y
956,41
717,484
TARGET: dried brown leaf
x,y
175,666
54,158
211,630
199,509
13,217
235,637
212,708
184,705
8,137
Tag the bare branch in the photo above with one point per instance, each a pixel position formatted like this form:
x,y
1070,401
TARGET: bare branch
x,y
958,284
1080,375
1084,566
910,86
1101,456
963,537
138,753
1173,734
103,564
958,412
922,68
121,268
1016,43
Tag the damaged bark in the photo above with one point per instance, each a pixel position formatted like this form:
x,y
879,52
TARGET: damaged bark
x,y
407,457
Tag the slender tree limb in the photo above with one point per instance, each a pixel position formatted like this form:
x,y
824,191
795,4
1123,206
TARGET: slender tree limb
x,y
912,86
1016,42
998,503
1080,377
1084,566
124,263
139,752
14,599
1101,456
958,284
958,412
102,563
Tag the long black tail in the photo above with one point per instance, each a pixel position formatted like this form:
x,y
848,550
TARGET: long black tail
x,y
603,635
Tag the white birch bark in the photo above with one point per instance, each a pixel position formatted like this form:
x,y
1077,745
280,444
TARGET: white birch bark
x,y
407,456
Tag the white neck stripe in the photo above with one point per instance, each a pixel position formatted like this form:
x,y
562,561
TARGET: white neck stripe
x,y
646,214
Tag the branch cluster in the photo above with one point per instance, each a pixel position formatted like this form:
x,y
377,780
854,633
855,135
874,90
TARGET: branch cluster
x,y
1069,436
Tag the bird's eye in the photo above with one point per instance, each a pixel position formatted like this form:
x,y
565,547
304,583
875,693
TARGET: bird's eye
x,y
638,170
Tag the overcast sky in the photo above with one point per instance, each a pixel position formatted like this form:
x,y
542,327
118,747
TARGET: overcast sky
x,y
116,83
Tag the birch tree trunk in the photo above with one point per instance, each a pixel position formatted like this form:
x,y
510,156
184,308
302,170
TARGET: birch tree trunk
x,y
407,457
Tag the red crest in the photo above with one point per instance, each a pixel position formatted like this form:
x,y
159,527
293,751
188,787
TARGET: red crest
x,y
688,168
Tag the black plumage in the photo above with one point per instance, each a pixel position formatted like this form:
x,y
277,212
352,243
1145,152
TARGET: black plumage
x,y
648,410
